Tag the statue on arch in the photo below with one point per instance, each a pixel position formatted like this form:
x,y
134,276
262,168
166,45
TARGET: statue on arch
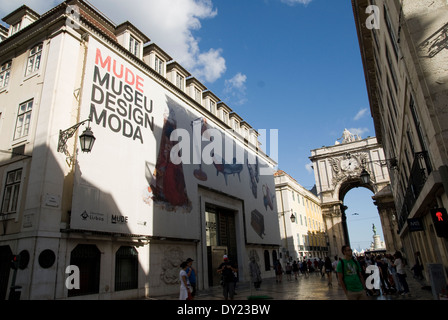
x,y
347,136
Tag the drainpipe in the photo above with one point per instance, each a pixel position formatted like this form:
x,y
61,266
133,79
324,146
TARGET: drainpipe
x,y
284,221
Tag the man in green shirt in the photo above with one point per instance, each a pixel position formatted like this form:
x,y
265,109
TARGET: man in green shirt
x,y
350,277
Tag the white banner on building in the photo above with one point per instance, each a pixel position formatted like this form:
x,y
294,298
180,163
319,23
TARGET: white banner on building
x,y
152,152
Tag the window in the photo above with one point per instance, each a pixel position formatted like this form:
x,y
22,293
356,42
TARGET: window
x,y
11,192
87,258
23,120
158,66
410,140
134,46
16,28
225,117
179,81
267,261
126,269
390,30
5,71
417,123
236,126
34,60
212,107
392,69
246,133
197,95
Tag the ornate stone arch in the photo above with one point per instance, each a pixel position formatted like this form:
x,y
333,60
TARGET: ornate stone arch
x,y
337,170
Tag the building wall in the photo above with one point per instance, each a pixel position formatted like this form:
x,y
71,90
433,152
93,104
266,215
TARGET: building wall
x,y
306,236
409,111
130,191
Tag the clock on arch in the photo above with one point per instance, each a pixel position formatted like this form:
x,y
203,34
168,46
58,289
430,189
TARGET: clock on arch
x,y
350,164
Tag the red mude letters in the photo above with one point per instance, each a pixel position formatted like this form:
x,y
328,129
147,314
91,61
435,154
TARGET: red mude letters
x,y
123,73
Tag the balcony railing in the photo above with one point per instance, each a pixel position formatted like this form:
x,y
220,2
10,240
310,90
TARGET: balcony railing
x,y
421,169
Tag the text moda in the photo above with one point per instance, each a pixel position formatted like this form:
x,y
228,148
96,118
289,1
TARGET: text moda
x,y
122,94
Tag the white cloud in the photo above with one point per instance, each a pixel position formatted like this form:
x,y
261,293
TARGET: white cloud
x,y
169,23
235,89
294,2
360,114
358,131
209,65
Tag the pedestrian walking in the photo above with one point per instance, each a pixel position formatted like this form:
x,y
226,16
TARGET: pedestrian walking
x,y
316,267
226,269
192,276
384,276
328,271
334,265
321,266
184,293
288,271
350,277
278,271
295,269
255,273
393,272
309,265
304,268
401,272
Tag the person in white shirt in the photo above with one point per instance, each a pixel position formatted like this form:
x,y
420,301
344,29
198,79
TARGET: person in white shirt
x,y
335,264
184,282
401,272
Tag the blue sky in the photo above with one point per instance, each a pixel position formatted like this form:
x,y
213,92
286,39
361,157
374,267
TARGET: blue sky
x,y
291,65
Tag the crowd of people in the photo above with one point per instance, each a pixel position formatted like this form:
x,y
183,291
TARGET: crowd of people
x,y
391,269
351,273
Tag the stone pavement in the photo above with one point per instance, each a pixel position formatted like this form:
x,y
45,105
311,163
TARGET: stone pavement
x,y
313,287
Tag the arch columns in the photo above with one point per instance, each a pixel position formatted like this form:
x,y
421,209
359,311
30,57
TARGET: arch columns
x,y
334,225
386,208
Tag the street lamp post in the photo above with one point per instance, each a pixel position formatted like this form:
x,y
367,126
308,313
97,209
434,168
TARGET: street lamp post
x,y
86,139
365,176
292,217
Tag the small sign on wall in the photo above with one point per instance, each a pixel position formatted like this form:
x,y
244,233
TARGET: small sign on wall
x,y
415,224
52,200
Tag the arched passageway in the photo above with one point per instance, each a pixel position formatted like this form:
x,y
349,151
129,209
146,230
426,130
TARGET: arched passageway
x,y
337,170
362,216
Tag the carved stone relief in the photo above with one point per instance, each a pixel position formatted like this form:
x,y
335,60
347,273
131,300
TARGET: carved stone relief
x,y
171,261
349,166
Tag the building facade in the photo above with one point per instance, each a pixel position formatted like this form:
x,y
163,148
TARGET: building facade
x,y
168,177
302,228
403,49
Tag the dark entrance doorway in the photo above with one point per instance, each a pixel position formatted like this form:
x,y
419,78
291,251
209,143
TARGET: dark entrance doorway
x,y
5,267
221,239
